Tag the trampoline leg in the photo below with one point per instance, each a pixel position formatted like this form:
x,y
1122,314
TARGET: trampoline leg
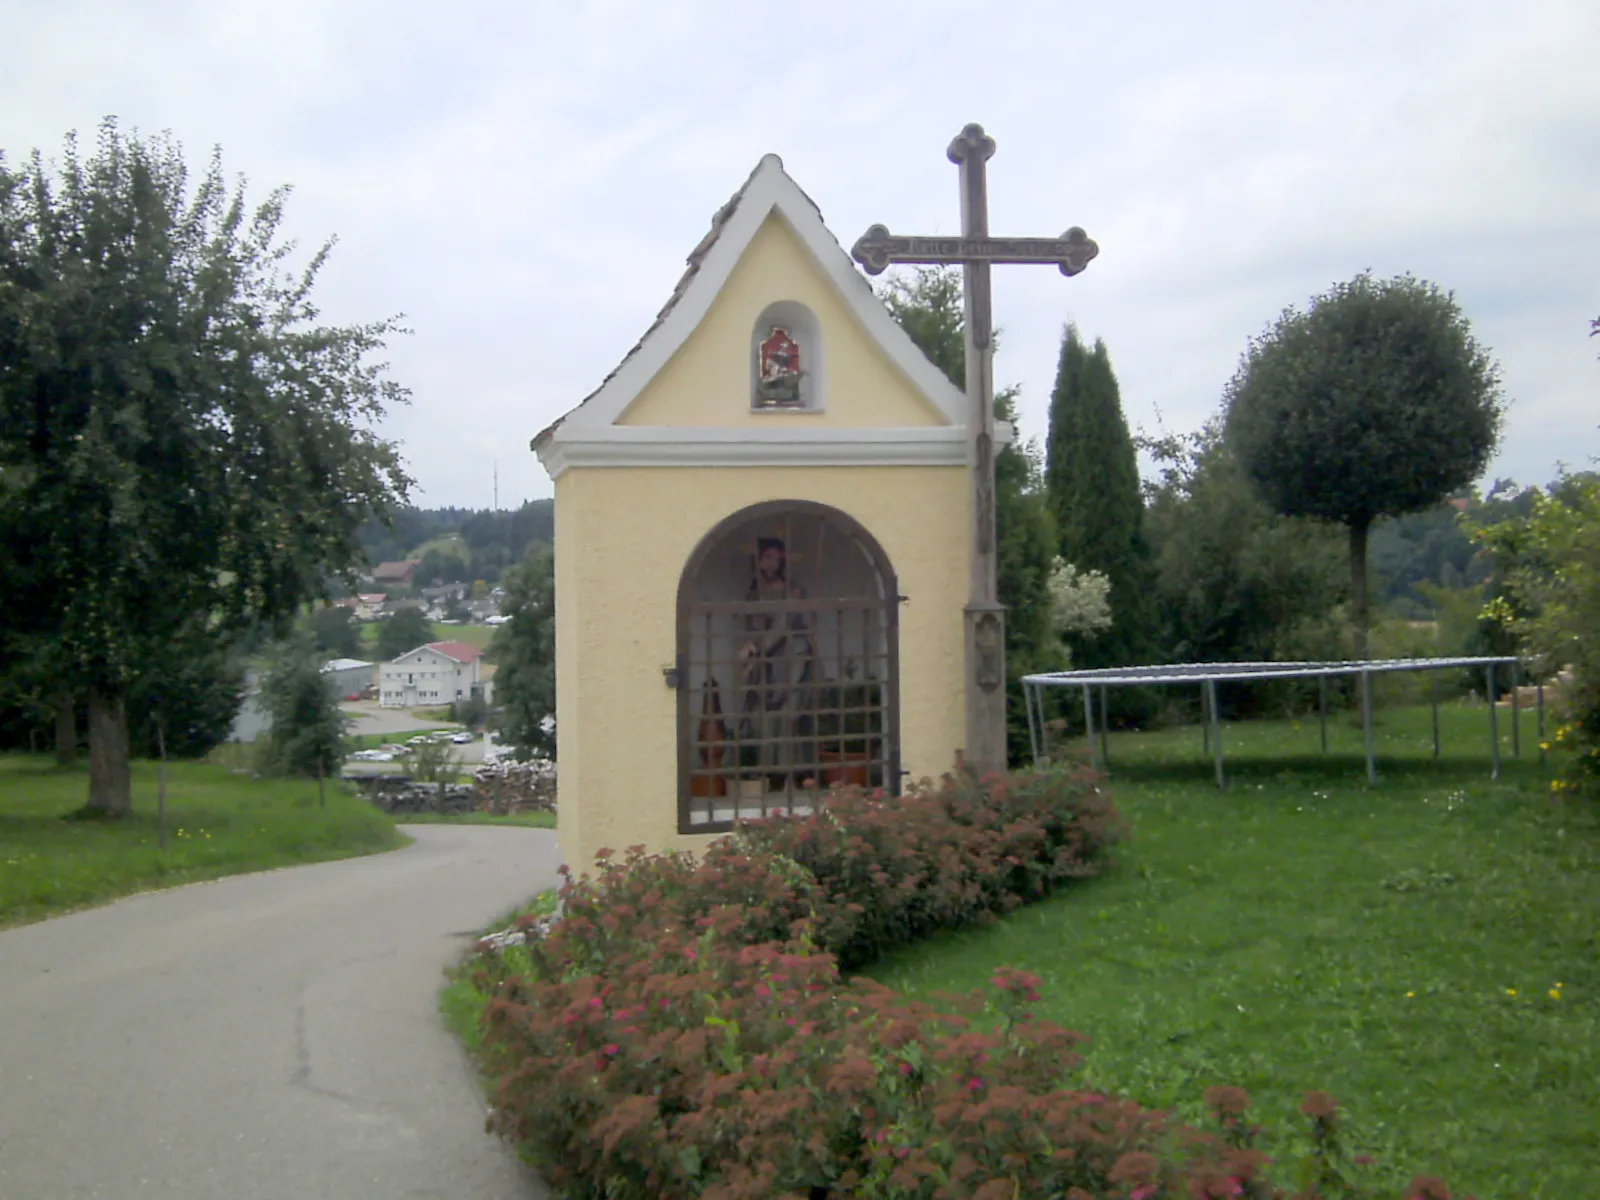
x,y
1088,724
1205,722
1033,733
1216,731
1494,728
1105,726
1435,674
1366,725
1516,710
1540,694
1322,708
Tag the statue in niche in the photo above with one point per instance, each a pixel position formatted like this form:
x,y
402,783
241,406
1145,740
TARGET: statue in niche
x,y
778,371
775,668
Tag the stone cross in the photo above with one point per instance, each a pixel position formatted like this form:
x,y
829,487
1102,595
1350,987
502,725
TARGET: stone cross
x,y
975,250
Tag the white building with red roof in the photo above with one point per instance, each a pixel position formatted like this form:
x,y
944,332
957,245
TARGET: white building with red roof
x,y
434,674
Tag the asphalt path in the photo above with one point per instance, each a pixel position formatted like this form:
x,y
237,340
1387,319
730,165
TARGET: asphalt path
x,y
263,1037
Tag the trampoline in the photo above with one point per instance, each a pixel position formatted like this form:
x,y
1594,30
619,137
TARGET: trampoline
x,y
1208,675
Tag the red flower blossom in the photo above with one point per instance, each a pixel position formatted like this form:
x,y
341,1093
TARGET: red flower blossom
x,y
1319,1106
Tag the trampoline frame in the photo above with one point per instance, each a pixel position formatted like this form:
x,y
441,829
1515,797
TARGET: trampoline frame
x,y
1208,675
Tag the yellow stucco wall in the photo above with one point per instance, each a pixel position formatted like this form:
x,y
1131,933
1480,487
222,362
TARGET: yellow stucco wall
x,y
707,382
623,536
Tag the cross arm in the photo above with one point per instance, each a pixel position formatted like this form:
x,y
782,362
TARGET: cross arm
x,y
876,249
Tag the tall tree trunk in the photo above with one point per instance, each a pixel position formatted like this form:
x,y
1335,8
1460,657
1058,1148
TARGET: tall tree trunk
x,y
66,729
110,779
1358,586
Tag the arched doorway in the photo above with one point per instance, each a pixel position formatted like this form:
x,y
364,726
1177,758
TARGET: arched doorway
x,y
788,665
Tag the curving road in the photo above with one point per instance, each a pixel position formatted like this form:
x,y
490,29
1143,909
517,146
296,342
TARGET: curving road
x,y
263,1037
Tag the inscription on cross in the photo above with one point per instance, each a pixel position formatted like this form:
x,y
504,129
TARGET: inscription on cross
x,y
974,251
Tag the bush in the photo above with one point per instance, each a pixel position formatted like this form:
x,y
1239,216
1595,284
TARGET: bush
x,y
683,1029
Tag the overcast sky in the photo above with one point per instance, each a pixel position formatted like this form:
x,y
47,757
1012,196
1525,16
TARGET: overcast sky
x,y
523,180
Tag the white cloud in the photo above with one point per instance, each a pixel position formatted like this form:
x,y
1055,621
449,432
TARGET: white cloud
x,y
523,181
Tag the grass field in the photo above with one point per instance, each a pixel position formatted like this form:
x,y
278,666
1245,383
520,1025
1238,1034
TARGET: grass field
x,y
532,820
219,823
1427,950
460,1002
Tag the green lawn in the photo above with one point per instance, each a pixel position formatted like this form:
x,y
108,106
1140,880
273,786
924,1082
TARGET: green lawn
x,y
533,820
1428,950
219,823
460,1002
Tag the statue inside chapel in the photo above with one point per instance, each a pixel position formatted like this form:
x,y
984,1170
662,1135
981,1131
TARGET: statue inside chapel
x,y
778,371
775,667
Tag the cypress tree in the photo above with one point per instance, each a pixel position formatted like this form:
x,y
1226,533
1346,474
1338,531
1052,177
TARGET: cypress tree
x,y
1092,478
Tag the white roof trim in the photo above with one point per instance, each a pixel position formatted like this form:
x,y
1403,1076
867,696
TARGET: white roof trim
x,y
769,189
678,446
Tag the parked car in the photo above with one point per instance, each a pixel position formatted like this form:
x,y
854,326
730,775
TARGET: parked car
x,y
461,738
372,756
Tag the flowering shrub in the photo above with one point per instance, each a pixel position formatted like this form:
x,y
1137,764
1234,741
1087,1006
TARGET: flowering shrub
x,y
683,1030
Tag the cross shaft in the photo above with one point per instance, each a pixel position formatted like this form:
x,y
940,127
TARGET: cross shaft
x,y
975,251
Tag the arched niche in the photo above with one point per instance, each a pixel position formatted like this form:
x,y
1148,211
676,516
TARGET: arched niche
x,y
788,664
786,359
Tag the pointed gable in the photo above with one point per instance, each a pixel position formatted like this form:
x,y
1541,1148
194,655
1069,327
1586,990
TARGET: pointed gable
x,y
682,394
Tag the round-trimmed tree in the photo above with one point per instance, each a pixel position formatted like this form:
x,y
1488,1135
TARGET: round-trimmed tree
x,y
1375,401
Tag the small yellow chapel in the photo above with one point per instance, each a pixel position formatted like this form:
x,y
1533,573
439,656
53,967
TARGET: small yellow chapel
x,y
761,546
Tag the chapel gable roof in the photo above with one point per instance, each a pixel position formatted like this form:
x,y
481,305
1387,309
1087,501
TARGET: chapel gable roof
x,y
768,188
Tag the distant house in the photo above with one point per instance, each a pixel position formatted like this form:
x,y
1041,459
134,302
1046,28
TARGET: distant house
x,y
399,574
438,673
349,676
445,592
369,605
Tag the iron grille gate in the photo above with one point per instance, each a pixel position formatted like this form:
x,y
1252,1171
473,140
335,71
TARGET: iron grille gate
x,y
780,700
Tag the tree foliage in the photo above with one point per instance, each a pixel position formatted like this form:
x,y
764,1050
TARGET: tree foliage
x,y
183,440
308,726
405,630
334,632
1092,475
927,303
1551,562
1373,402
187,701
1234,580
525,649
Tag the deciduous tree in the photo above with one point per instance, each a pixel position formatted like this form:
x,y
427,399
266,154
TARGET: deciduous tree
x,y
186,441
308,726
1375,401
927,303
405,630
